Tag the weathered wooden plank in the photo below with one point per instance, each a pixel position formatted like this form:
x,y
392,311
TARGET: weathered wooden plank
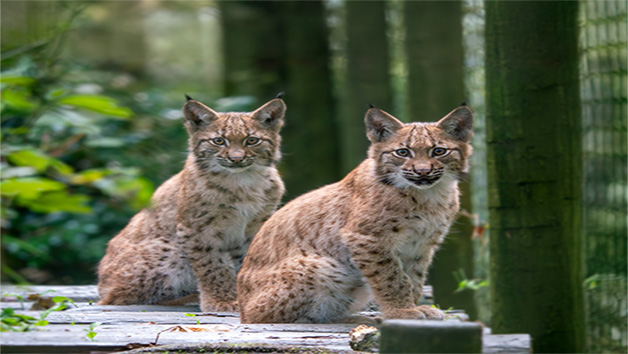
x,y
66,338
134,326
87,307
114,317
118,336
87,293
83,307
78,293
248,348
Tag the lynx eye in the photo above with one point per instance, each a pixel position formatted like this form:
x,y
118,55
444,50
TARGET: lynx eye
x,y
218,141
402,152
439,151
253,140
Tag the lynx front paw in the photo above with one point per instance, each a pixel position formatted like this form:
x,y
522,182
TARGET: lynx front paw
x,y
431,313
423,312
228,306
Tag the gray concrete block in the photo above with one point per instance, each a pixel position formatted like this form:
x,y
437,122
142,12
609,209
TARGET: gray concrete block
x,y
422,336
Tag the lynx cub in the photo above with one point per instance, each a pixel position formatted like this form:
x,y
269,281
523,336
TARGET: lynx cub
x,y
194,236
327,253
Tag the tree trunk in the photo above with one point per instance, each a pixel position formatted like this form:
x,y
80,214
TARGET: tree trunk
x,y
367,75
435,58
534,157
436,86
253,49
273,46
310,136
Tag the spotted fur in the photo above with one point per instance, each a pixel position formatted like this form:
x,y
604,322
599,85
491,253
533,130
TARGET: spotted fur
x,y
327,253
194,236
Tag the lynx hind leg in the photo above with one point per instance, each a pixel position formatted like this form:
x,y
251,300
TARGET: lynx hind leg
x,y
116,289
301,290
136,283
121,295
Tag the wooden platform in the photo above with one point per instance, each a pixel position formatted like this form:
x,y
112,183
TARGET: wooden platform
x,y
147,328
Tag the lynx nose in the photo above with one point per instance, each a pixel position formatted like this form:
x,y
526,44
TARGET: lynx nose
x,y
423,169
236,156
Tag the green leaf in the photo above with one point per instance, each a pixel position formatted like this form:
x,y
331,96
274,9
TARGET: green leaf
x,y
11,321
17,99
59,307
56,92
6,328
16,131
60,166
91,335
29,187
41,323
29,158
62,298
97,103
59,201
25,318
39,161
89,176
17,80
7,312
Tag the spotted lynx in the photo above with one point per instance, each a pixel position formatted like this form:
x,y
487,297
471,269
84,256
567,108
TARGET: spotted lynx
x,y
326,254
194,236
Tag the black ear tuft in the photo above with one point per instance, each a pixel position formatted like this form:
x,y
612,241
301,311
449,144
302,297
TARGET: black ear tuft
x,y
458,124
464,103
280,95
380,125
188,98
371,105
197,115
270,115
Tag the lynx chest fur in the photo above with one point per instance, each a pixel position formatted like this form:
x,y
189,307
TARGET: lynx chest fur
x,y
372,235
193,238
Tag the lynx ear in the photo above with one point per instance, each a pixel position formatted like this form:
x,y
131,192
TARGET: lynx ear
x,y
380,125
270,115
197,114
458,124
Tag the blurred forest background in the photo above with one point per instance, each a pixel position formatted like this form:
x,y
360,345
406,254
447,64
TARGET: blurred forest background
x,y
91,122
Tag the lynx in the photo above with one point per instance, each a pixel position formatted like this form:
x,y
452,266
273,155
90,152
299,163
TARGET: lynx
x,y
326,254
191,241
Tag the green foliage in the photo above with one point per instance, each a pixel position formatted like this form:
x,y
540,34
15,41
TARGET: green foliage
x,y
465,283
193,315
63,191
96,103
13,322
90,331
437,306
19,298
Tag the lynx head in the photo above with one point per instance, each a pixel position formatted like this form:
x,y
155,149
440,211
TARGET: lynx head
x,y
234,141
419,154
